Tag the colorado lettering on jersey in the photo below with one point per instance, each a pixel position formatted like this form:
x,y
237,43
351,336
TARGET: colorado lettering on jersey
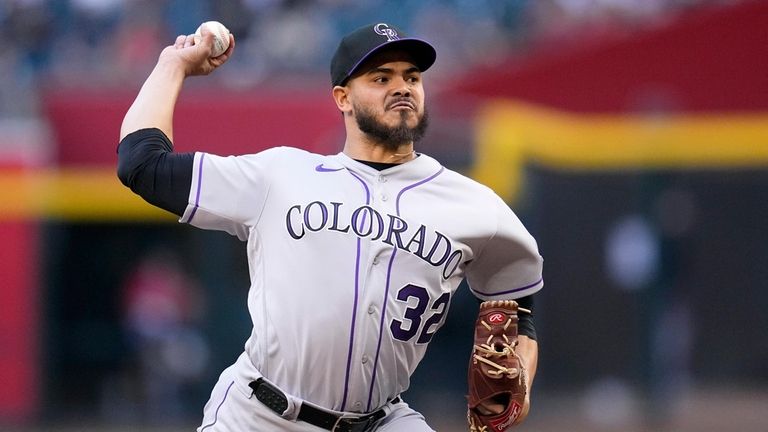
x,y
366,222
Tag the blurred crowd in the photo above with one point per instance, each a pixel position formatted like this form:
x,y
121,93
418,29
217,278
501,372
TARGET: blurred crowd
x,y
115,42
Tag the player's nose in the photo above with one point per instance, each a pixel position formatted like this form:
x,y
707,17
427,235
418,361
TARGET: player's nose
x,y
401,87
402,91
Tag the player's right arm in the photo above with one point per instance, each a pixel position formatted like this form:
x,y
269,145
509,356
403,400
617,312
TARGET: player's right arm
x,y
146,161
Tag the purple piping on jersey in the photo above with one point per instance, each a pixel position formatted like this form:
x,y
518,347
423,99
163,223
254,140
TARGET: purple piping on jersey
x,y
386,288
357,293
415,185
216,414
381,326
522,288
199,183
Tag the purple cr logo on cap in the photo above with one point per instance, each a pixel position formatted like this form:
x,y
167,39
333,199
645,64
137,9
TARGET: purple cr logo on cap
x,y
384,30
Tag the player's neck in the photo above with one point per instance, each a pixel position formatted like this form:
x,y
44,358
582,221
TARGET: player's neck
x,y
367,150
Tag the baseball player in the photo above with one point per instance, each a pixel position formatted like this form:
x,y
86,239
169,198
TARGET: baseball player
x,y
354,257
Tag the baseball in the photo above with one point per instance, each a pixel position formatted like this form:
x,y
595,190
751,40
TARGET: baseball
x,y
220,36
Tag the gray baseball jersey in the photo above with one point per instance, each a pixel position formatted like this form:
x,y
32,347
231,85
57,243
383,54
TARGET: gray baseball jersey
x,y
353,269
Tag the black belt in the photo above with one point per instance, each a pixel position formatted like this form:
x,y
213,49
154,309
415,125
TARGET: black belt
x,y
276,400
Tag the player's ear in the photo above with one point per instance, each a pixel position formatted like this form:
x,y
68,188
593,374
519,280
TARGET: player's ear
x,y
341,97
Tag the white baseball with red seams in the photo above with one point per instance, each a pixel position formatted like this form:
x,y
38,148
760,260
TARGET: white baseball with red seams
x,y
353,269
220,36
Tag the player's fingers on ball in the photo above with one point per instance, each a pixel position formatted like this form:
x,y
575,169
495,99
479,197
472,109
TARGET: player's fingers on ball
x,y
179,43
218,61
207,37
223,57
189,41
231,46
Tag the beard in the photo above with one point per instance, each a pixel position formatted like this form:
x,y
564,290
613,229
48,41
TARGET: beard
x,y
391,137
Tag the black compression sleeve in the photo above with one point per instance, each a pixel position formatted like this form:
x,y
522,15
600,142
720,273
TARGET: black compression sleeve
x,y
525,325
147,164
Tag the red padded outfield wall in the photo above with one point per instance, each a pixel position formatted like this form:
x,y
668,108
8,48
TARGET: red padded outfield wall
x,y
712,60
86,122
19,319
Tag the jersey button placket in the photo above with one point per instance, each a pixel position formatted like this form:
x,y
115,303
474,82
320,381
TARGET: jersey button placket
x,y
381,192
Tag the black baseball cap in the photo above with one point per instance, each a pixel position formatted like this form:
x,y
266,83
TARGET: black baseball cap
x,y
362,43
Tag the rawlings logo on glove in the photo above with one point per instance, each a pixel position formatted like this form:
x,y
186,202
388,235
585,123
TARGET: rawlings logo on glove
x,y
497,376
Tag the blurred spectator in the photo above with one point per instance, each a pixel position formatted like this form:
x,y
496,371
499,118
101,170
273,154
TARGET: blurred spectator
x,y
29,30
139,37
26,29
94,19
296,36
163,309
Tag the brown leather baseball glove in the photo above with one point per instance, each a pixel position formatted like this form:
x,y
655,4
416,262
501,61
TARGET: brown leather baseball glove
x,y
497,376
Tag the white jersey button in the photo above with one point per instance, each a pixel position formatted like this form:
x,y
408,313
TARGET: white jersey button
x,y
371,309
365,359
382,179
375,260
383,197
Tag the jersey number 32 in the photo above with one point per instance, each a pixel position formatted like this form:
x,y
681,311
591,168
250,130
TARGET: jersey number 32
x,y
421,317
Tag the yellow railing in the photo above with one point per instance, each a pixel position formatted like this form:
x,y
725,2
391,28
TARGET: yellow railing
x,y
511,134
80,194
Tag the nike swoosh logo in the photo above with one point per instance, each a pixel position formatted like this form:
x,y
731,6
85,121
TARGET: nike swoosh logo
x,y
321,168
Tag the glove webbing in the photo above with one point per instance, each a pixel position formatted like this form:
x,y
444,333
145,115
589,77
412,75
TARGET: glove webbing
x,y
507,349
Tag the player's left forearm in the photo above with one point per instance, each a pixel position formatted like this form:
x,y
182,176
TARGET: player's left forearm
x,y
528,350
